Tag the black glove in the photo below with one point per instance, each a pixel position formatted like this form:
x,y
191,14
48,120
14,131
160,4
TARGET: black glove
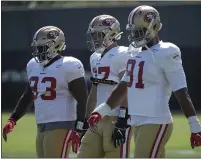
x,y
119,132
85,127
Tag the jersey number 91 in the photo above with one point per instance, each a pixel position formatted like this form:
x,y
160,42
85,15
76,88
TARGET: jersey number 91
x,y
130,72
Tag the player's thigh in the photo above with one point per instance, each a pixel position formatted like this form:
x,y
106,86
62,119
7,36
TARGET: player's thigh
x,y
110,150
56,143
91,145
150,139
39,145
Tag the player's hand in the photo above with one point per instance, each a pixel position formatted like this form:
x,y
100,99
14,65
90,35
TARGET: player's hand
x,y
195,140
98,113
8,128
93,120
75,137
195,128
118,136
119,132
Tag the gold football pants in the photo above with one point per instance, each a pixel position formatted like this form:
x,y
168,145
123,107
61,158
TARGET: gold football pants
x,y
53,143
99,145
150,140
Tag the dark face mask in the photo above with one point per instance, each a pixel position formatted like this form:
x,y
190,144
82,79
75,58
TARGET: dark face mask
x,y
95,40
40,53
135,35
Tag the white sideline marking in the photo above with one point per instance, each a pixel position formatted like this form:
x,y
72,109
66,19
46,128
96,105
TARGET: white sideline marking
x,y
182,152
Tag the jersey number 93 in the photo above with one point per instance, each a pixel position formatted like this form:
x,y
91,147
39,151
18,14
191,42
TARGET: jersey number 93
x,y
51,90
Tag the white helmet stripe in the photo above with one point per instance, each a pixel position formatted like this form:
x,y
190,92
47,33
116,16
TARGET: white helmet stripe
x,y
93,21
129,17
132,15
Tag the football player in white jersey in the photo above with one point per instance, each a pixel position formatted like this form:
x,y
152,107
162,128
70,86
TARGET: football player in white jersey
x,y
153,72
108,64
58,90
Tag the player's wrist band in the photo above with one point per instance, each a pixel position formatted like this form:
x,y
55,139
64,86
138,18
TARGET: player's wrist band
x,y
12,120
123,112
194,124
79,125
103,109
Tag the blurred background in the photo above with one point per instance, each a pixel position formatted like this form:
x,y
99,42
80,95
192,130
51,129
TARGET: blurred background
x,y
20,20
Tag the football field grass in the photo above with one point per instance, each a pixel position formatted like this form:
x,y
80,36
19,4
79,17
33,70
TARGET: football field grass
x,y
21,142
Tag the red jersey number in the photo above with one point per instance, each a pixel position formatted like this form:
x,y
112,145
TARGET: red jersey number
x,y
105,70
51,93
130,68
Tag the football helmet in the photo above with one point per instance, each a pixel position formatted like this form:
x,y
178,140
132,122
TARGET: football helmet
x,y
143,25
47,43
103,31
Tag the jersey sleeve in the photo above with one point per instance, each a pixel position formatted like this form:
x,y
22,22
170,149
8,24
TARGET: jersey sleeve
x,y
29,67
173,69
74,70
91,61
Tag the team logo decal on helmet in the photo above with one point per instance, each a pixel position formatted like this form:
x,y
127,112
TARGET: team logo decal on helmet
x,y
103,31
108,22
149,17
52,34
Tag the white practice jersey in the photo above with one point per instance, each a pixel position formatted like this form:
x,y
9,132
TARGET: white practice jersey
x,y
53,100
108,67
152,76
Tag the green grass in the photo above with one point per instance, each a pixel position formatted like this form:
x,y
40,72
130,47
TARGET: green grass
x,y
21,142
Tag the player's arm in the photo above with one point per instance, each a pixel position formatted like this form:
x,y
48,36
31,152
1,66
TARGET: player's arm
x,y
92,100
185,102
123,113
91,104
175,75
118,134
124,101
78,88
24,102
75,75
117,97
119,94
114,100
